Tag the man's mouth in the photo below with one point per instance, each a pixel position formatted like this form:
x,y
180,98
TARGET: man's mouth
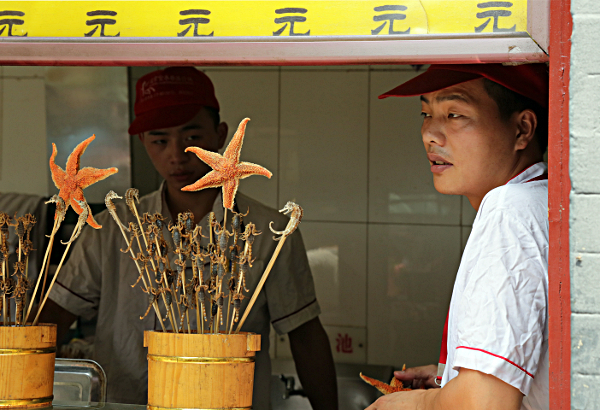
x,y
181,175
438,163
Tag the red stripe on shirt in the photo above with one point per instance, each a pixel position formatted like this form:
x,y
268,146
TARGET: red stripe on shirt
x,y
500,357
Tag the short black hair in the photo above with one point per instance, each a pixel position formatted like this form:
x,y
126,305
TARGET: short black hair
x,y
214,115
510,102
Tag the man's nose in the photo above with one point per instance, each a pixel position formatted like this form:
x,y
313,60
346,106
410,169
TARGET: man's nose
x,y
433,132
177,152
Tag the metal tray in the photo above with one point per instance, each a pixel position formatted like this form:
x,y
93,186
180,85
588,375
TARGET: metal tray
x,y
79,383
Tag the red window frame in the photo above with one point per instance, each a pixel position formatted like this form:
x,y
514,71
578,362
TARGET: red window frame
x,y
559,186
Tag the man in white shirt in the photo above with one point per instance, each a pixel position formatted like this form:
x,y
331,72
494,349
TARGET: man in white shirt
x,y
485,132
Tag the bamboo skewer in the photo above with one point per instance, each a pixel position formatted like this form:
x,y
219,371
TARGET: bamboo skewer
x,y
4,262
130,196
261,283
296,216
112,210
59,216
80,222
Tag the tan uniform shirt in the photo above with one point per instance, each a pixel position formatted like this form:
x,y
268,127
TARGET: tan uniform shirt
x,y
97,279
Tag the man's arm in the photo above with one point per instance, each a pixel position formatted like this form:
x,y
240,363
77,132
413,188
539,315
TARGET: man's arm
x,y
470,390
53,313
314,364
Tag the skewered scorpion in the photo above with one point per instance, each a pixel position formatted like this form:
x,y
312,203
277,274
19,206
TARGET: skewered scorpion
x,y
153,294
5,290
249,235
144,260
201,291
19,294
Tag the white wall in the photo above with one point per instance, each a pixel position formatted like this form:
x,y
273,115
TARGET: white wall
x,y
23,156
584,243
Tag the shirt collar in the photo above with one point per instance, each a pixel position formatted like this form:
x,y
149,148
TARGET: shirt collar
x,y
531,172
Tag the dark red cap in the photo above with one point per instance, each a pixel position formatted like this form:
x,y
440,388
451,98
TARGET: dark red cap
x,y
170,97
529,80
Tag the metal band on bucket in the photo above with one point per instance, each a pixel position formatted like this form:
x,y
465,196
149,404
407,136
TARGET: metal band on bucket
x,y
7,352
26,402
200,360
150,407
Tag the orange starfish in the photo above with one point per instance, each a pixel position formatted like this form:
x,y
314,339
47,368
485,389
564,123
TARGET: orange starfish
x,y
72,181
394,386
227,168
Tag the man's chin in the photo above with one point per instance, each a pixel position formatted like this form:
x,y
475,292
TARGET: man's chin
x,y
444,187
177,184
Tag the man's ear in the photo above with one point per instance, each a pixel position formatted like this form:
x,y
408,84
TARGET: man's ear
x,y
526,124
141,137
222,129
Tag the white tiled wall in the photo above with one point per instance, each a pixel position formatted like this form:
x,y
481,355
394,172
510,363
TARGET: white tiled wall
x,y
23,124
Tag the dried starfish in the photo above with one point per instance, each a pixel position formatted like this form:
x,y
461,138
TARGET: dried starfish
x,y
394,386
73,180
227,168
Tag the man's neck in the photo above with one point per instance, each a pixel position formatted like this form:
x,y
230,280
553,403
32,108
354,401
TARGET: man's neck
x,y
199,203
522,165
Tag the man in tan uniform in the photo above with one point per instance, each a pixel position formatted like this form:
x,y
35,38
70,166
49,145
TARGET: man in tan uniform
x,y
176,108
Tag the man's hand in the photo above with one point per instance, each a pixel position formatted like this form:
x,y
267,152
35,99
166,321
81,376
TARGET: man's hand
x,y
418,377
470,390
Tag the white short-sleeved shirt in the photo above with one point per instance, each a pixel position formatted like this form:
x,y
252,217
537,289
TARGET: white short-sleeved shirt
x,y
498,319
97,279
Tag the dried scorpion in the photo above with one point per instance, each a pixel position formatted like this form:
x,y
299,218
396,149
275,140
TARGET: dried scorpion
x,y
250,233
144,260
134,233
153,294
20,292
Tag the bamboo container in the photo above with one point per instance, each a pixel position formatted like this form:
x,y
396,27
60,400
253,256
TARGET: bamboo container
x,y
27,356
206,371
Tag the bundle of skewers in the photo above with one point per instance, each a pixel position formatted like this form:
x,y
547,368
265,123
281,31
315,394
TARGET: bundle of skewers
x,y
14,282
217,286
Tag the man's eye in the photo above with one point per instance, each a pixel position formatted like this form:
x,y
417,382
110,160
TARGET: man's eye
x,y
159,142
194,137
425,115
452,115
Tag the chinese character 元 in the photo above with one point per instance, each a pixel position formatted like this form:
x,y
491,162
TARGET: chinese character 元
x,y
101,22
344,343
495,14
10,22
194,21
291,20
390,17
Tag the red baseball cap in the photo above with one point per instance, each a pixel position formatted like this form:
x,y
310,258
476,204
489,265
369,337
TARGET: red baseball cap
x,y
170,97
529,80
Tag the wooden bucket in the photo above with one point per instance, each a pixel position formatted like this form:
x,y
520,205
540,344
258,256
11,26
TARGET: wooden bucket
x,y
27,356
206,371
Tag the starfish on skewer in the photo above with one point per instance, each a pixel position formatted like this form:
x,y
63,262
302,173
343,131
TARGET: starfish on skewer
x,y
73,180
394,386
227,168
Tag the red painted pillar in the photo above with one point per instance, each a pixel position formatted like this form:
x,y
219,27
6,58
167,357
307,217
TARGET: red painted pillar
x,y
559,186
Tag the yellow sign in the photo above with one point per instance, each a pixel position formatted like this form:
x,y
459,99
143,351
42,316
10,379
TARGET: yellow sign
x,y
258,18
